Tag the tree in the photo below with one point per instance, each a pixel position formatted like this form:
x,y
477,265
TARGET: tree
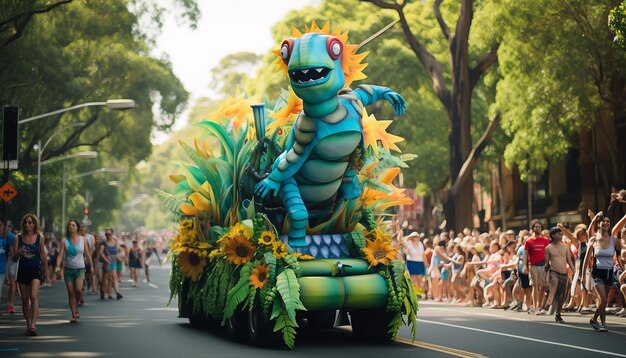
x,y
454,91
558,80
230,76
17,14
100,54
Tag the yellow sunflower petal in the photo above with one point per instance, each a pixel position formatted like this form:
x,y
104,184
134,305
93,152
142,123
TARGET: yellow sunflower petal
x,y
259,276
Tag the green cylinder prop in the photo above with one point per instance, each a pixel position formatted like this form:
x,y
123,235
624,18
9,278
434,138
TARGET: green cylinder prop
x,y
258,110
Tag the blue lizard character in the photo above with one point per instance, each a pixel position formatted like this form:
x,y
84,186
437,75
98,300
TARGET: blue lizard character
x,y
314,167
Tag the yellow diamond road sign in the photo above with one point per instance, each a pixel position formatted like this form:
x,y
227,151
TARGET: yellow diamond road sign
x,y
7,192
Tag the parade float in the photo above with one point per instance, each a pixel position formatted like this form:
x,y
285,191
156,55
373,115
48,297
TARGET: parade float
x,y
280,223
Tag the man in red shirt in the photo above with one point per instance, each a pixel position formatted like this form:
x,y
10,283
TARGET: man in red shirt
x,y
534,265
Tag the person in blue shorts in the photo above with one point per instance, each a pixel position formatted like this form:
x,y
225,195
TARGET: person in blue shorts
x,y
414,250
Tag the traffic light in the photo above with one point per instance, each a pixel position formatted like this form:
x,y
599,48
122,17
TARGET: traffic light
x,y
86,211
10,132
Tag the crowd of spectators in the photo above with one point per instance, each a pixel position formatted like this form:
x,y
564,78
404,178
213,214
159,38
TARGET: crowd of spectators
x,y
539,270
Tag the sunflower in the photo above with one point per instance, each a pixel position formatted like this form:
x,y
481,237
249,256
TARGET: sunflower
x,y
267,238
379,252
239,229
191,265
259,276
280,249
224,238
199,251
239,249
378,234
215,253
302,257
186,226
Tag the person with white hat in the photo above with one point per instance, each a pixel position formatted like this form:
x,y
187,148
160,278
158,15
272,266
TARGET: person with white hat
x,y
414,250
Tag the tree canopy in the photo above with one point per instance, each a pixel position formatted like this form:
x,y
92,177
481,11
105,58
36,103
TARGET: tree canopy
x,y
102,53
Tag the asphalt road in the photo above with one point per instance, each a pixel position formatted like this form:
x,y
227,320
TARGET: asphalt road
x,y
142,325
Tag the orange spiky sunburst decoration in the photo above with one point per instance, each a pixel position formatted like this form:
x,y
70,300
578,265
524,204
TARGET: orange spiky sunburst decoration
x,y
351,64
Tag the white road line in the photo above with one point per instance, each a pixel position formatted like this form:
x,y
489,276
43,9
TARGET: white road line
x,y
523,338
523,319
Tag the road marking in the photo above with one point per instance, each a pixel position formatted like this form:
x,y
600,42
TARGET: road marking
x,y
433,347
523,320
523,338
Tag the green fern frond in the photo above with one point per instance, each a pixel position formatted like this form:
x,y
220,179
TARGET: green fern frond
x,y
239,293
287,326
169,201
289,289
270,261
398,270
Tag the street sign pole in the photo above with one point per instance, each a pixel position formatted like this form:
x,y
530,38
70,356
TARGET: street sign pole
x,y
5,179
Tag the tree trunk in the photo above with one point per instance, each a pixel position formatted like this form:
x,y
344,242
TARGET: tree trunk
x,y
458,197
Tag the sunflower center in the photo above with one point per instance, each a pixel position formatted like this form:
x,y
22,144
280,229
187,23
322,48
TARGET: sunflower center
x,y
262,276
194,259
241,251
380,254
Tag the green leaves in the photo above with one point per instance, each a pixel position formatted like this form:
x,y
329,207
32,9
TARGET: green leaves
x,y
285,324
239,293
356,242
617,23
289,289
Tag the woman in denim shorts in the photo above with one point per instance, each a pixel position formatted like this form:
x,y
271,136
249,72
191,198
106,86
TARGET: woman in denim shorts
x,y
74,251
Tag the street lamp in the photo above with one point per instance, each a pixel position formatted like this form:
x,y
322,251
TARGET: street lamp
x,y
116,104
40,149
81,175
87,155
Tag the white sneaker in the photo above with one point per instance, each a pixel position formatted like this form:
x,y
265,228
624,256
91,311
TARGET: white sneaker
x,y
603,328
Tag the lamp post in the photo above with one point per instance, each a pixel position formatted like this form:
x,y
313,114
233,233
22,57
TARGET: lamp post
x,y
116,104
81,175
40,149
87,155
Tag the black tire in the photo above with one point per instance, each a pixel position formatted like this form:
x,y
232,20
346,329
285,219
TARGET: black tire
x,y
372,325
261,331
321,319
237,326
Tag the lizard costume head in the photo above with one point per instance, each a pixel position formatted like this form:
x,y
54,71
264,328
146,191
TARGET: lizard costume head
x,y
314,66
351,65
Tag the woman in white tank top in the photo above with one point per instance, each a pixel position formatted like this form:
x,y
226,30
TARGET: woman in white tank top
x,y
74,252
414,250
600,255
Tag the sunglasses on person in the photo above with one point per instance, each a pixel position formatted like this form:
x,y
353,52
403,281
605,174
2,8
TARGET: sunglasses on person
x,y
29,222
